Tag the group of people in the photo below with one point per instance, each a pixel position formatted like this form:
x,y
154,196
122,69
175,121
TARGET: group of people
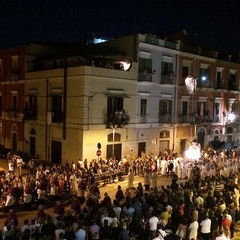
x,y
200,207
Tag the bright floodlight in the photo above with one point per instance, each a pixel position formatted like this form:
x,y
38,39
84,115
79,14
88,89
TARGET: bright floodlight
x,y
204,78
231,117
193,152
126,66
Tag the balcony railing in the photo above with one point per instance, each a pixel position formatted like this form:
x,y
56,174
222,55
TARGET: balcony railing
x,y
143,119
30,114
219,84
197,119
233,87
57,117
117,119
205,84
166,79
12,113
166,118
145,77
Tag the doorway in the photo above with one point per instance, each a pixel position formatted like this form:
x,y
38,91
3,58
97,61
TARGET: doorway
x,y
56,153
163,145
114,151
141,148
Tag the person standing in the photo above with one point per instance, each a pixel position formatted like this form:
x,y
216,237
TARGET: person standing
x,y
130,178
193,229
206,228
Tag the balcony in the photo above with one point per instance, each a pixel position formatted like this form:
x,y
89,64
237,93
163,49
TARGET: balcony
x,y
143,119
166,79
12,113
203,119
117,119
220,84
30,114
145,77
205,84
166,118
194,118
57,116
233,87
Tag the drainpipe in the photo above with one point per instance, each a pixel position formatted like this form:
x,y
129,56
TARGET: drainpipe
x,y
46,126
65,99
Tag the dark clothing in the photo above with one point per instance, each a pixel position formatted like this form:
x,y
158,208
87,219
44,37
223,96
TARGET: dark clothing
x,y
123,235
69,235
48,229
119,195
106,233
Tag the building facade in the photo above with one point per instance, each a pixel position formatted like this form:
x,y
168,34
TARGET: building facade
x,y
124,97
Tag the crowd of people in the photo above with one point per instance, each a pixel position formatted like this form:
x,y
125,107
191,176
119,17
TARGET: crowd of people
x,y
204,205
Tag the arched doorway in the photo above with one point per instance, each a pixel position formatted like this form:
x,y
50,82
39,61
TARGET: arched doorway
x,y
114,149
33,142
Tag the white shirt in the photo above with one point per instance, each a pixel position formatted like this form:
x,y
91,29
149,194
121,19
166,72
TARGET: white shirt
x,y
193,230
153,222
206,226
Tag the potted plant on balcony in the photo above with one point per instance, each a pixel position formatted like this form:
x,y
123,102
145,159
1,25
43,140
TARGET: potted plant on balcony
x,y
118,118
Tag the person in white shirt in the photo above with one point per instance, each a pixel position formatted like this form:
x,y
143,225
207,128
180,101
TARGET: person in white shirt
x,y
193,230
153,225
206,227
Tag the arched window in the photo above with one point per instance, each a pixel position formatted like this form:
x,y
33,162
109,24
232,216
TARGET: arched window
x,y
117,137
164,134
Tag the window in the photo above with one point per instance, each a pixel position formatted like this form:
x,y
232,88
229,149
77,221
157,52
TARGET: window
x,y
143,110
167,73
57,115
33,102
204,77
145,65
201,108
185,71
165,111
14,102
31,108
220,81
232,81
15,64
15,68
184,108
216,112
165,107
167,68
114,104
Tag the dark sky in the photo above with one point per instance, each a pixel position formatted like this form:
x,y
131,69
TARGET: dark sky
x,y
213,23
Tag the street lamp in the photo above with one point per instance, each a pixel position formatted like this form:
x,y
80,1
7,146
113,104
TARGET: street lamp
x,y
114,121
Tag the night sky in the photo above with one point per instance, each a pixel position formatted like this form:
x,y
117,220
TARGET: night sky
x,y
213,23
